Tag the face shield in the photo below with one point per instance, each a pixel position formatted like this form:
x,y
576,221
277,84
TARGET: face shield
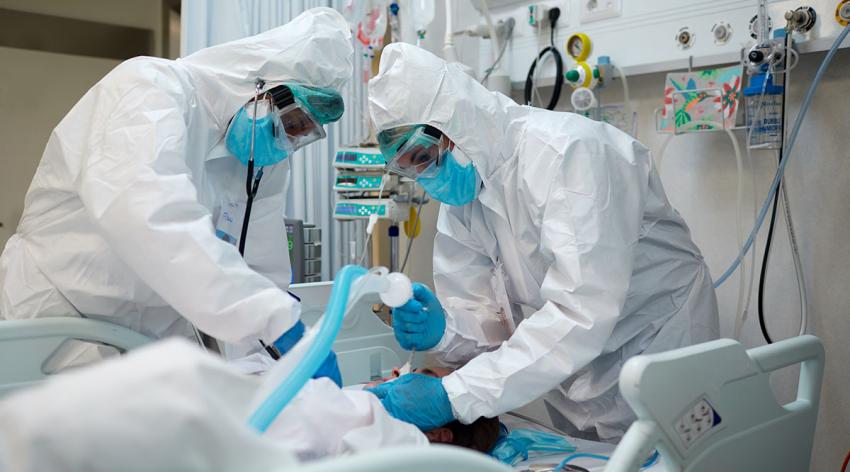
x,y
413,151
288,117
298,127
304,109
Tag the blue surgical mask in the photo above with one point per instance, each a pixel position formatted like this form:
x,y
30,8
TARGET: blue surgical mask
x,y
522,444
267,149
451,183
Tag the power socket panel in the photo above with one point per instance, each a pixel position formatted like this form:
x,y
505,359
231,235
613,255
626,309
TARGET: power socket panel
x,y
597,10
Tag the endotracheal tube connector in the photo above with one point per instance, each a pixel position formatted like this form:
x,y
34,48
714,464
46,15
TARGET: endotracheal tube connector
x,y
294,370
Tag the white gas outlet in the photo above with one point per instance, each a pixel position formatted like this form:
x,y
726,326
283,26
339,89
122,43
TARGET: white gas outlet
x,y
596,10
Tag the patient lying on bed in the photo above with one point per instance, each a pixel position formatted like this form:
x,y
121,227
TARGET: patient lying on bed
x,y
480,435
171,406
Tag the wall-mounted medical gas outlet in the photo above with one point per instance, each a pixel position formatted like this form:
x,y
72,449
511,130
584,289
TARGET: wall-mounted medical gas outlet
x,y
842,12
684,37
802,19
722,32
596,10
755,26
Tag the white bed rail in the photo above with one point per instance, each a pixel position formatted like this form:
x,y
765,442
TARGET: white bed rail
x,y
26,346
710,407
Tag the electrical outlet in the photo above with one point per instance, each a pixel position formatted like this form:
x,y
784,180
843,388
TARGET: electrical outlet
x,y
596,10
696,422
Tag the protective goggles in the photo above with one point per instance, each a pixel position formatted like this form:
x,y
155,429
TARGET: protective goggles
x,y
292,124
299,126
413,151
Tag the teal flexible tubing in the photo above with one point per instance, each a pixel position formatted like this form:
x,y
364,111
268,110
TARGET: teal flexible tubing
x,y
786,153
316,353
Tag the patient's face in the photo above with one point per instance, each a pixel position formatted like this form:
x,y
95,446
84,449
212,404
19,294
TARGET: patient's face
x,y
437,372
480,435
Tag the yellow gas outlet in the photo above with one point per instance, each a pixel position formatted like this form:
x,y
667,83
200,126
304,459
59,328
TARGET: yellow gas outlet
x,y
842,12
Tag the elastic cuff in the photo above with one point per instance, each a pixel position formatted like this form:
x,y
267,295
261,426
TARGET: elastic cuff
x,y
281,322
463,403
445,341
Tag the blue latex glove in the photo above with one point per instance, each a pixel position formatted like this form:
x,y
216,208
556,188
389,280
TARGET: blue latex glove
x,y
417,399
420,323
329,367
288,339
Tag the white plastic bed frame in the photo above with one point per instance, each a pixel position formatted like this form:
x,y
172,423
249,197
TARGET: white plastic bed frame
x,y
366,348
27,345
710,407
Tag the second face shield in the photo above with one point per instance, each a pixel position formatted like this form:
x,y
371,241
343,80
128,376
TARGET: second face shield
x,y
413,151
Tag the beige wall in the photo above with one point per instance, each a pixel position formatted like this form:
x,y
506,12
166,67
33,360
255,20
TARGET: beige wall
x,y
37,89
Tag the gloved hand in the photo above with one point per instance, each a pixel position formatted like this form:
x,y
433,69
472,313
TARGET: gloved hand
x,y
288,339
417,399
421,322
329,367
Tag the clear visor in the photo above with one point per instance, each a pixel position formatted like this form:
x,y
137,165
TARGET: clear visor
x,y
294,127
418,157
299,126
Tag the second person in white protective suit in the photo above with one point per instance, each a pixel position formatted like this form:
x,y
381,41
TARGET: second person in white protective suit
x,y
135,213
557,255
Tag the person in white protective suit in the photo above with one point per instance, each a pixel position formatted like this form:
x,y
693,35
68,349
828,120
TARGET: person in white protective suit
x,y
135,211
557,255
170,406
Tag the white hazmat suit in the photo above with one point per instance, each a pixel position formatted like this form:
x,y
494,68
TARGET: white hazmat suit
x,y
170,406
570,261
121,215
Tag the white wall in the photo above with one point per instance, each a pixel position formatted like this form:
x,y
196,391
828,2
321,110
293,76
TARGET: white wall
x,y
699,174
37,88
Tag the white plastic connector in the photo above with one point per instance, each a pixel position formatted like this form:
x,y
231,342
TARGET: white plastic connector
x,y
373,218
399,292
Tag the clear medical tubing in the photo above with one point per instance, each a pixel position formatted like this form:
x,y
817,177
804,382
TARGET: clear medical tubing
x,y
316,353
807,101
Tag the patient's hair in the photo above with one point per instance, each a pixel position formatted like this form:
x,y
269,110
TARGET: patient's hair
x,y
481,435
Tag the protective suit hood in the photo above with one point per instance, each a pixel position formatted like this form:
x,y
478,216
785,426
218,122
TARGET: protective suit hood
x,y
414,86
314,49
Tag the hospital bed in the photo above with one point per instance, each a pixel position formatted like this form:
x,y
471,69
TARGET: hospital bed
x,y
366,347
28,347
706,407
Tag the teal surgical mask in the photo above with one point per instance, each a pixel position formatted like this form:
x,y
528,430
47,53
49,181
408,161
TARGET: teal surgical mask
x,y
269,146
449,182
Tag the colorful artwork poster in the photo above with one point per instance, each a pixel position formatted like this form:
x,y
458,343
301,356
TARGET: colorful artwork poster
x,y
713,103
